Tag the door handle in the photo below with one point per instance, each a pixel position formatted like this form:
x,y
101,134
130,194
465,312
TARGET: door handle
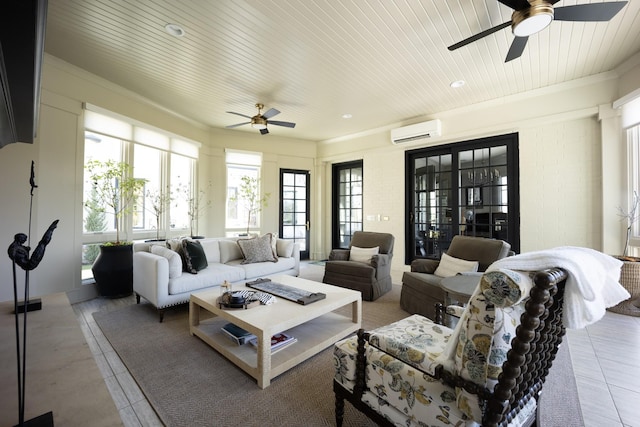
x,y
308,225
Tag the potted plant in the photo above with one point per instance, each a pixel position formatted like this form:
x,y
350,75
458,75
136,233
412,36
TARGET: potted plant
x,y
249,195
196,205
114,191
159,201
630,272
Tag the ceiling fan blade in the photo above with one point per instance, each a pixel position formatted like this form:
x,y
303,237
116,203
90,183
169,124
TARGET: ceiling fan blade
x,y
270,113
515,4
237,124
285,124
516,49
479,36
593,12
238,114
264,131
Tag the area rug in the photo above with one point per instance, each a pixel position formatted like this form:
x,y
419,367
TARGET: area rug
x,y
190,384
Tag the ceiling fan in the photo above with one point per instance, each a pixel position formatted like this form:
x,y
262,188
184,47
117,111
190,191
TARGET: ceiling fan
x,y
532,16
260,121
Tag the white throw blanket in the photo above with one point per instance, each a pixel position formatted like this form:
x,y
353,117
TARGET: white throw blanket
x,y
592,284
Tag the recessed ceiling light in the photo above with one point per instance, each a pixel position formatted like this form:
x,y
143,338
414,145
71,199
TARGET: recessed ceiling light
x,y
174,29
347,116
457,84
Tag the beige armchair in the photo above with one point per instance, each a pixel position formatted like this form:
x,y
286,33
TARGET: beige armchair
x,y
421,289
358,268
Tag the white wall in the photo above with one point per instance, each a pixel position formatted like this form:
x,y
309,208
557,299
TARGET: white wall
x,y
561,143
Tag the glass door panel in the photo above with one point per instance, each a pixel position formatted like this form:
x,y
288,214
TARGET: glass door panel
x,y
483,187
431,212
347,202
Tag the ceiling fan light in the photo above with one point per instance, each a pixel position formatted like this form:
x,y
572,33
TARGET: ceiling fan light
x,y
258,123
533,19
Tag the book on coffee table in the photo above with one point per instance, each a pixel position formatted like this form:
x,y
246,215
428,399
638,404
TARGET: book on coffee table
x,y
278,341
237,334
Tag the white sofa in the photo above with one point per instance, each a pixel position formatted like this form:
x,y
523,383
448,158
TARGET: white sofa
x,y
157,279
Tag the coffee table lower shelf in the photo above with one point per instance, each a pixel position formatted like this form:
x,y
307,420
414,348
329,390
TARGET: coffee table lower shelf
x,y
312,337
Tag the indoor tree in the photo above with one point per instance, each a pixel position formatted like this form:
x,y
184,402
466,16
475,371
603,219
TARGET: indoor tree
x,y
94,222
196,203
159,201
116,190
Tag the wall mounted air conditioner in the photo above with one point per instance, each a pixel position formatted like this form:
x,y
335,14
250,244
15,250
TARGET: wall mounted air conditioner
x,y
430,129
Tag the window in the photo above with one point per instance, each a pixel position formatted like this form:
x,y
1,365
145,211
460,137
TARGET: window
x,y
242,215
164,160
347,202
633,141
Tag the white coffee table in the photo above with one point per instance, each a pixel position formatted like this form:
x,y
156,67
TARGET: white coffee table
x,y
316,326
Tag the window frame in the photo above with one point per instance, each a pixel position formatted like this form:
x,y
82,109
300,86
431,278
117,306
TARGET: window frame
x,y
130,134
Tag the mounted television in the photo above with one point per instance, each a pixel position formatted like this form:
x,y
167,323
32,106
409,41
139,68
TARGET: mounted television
x,y
22,29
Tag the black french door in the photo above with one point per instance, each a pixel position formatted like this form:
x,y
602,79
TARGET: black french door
x,y
347,208
468,188
294,208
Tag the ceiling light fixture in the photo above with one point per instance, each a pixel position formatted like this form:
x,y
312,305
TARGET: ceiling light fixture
x,y
258,123
533,19
347,116
457,84
174,29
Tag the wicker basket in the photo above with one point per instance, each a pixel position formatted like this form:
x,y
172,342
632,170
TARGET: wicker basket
x,y
630,280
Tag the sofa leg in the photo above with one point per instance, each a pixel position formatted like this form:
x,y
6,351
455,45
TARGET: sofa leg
x,y
137,298
161,314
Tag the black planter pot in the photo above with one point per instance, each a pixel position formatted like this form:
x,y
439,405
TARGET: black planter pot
x,y
113,271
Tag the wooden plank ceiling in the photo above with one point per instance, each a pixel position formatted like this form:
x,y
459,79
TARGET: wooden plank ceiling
x,y
384,62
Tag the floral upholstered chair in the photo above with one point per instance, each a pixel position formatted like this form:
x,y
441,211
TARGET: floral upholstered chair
x,y
488,371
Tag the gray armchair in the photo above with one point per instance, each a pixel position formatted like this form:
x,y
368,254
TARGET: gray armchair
x,y
372,278
421,289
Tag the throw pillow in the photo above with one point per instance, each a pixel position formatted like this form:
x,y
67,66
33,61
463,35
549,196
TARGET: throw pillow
x,y
194,256
274,247
175,262
284,248
257,249
363,254
176,246
450,266
229,251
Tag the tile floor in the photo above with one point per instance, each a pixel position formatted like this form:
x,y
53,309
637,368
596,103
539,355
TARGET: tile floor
x,y
606,362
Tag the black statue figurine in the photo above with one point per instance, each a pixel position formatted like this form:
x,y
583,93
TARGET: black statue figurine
x,y
19,253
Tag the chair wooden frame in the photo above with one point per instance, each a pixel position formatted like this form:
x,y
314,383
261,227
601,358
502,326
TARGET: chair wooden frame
x,y
532,352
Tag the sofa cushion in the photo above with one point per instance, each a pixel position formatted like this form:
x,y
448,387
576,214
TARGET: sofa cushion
x,y
213,275
175,262
284,248
450,266
211,249
261,269
229,250
363,254
257,249
415,340
194,256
